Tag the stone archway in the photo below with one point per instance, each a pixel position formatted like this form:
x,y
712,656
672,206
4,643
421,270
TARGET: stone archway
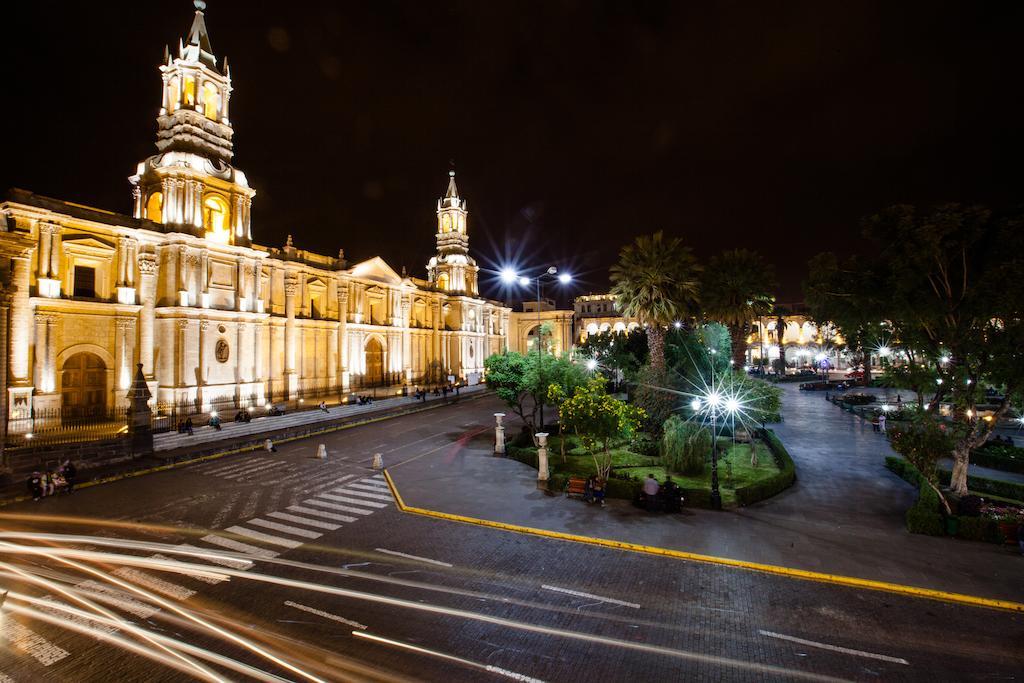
x,y
83,386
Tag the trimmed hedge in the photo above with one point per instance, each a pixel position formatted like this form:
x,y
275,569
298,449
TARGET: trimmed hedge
x,y
995,487
766,488
997,461
926,517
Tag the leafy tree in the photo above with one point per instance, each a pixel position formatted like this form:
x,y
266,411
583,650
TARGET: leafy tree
x,y
947,283
736,289
656,281
684,445
620,354
597,418
923,443
523,381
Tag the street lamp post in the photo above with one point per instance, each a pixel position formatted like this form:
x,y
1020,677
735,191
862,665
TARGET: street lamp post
x,y
509,276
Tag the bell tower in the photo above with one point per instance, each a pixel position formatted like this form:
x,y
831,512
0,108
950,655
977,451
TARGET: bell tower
x,y
189,185
452,269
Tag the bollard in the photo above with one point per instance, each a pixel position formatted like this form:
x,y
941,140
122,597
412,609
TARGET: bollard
x,y
542,456
269,446
321,452
499,434
378,461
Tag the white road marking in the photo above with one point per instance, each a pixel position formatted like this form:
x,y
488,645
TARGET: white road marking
x,y
413,557
357,501
101,592
213,579
222,561
60,613
835,648
304,520
266,538
325,615
239,547
4,678
366,487
377,476
581,594
153,583
294,531
252,470
363,494
28,641
322,513
335,506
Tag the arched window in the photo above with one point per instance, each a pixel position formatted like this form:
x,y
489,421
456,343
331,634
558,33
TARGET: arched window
x,y
210,101
173,95
215,218
189,91
442,281
155,207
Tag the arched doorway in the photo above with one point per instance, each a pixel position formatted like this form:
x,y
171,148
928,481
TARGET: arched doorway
x,y
374,352
83,385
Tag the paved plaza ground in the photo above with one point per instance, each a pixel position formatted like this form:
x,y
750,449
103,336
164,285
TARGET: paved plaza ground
x,y
844,515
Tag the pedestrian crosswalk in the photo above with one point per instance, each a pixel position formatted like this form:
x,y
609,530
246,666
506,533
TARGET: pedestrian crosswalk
x,y
259,538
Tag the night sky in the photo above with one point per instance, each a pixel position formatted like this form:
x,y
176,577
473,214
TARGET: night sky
x,y
573,126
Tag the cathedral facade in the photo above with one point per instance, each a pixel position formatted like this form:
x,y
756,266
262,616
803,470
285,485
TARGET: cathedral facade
x,y
213,317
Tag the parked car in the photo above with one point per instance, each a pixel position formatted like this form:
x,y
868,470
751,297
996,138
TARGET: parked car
x,y
816,386
856,373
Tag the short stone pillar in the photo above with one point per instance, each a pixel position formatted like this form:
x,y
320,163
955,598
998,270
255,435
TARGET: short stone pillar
x,y
542,456
499,434
321,451
140,415
378,461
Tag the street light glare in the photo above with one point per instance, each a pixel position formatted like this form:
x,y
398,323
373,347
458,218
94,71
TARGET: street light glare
x,y
732,405
714,399
508,276
678,324
695,404
565,278
591,364
524,281
884,351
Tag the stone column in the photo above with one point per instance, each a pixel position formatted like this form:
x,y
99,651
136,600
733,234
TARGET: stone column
x,y
542,457
204,325
406,309
21,321
291,288
39,376
343,335
147,274
45,233
124,351
435,341
240,286
499,434
182,351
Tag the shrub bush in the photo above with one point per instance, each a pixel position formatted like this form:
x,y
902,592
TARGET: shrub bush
x,y
684,445
622,488
978,529
757,491
1000,457
924,517
644,444
527,456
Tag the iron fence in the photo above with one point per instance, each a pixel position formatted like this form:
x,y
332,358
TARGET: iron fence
x,y
55,426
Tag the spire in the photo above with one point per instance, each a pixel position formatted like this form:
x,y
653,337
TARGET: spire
x,y
453,192
198,47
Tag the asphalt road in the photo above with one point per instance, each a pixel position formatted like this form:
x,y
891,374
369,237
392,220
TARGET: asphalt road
x,y
340,585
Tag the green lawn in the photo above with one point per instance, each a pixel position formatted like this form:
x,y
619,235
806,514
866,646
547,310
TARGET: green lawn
x,y
579,463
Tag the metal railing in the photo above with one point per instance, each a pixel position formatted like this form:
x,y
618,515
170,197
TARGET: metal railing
x,y
56,426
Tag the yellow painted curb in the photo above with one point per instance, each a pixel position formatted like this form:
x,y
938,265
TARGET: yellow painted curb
x,y
245,449
803,574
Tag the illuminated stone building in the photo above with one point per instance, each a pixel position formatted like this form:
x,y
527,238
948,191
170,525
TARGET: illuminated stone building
x,y
213,317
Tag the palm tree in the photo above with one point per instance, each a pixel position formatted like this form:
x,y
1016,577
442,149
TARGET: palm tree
x,y
656,281
736,290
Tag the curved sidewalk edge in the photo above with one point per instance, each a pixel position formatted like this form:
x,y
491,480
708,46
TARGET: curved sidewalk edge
x,y
837,579
252,443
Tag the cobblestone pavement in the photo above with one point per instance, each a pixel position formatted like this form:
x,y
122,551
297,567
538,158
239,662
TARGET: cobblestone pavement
x,y
329,574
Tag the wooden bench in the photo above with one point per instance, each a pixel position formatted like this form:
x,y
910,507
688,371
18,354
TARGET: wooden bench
x,y
576,486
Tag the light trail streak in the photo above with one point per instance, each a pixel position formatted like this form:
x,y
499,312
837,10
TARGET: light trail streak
x,y
496,621
166,604
186,662
167,641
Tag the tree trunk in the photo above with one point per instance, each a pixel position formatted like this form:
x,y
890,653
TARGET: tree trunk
x,y
739,346
656,346
961,458
976,438
753,452
867,369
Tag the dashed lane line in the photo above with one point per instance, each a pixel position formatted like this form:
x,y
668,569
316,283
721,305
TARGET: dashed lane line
x,y
232,563
285,528
212,578
325,615
591,596
413,557
305,520
835,648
